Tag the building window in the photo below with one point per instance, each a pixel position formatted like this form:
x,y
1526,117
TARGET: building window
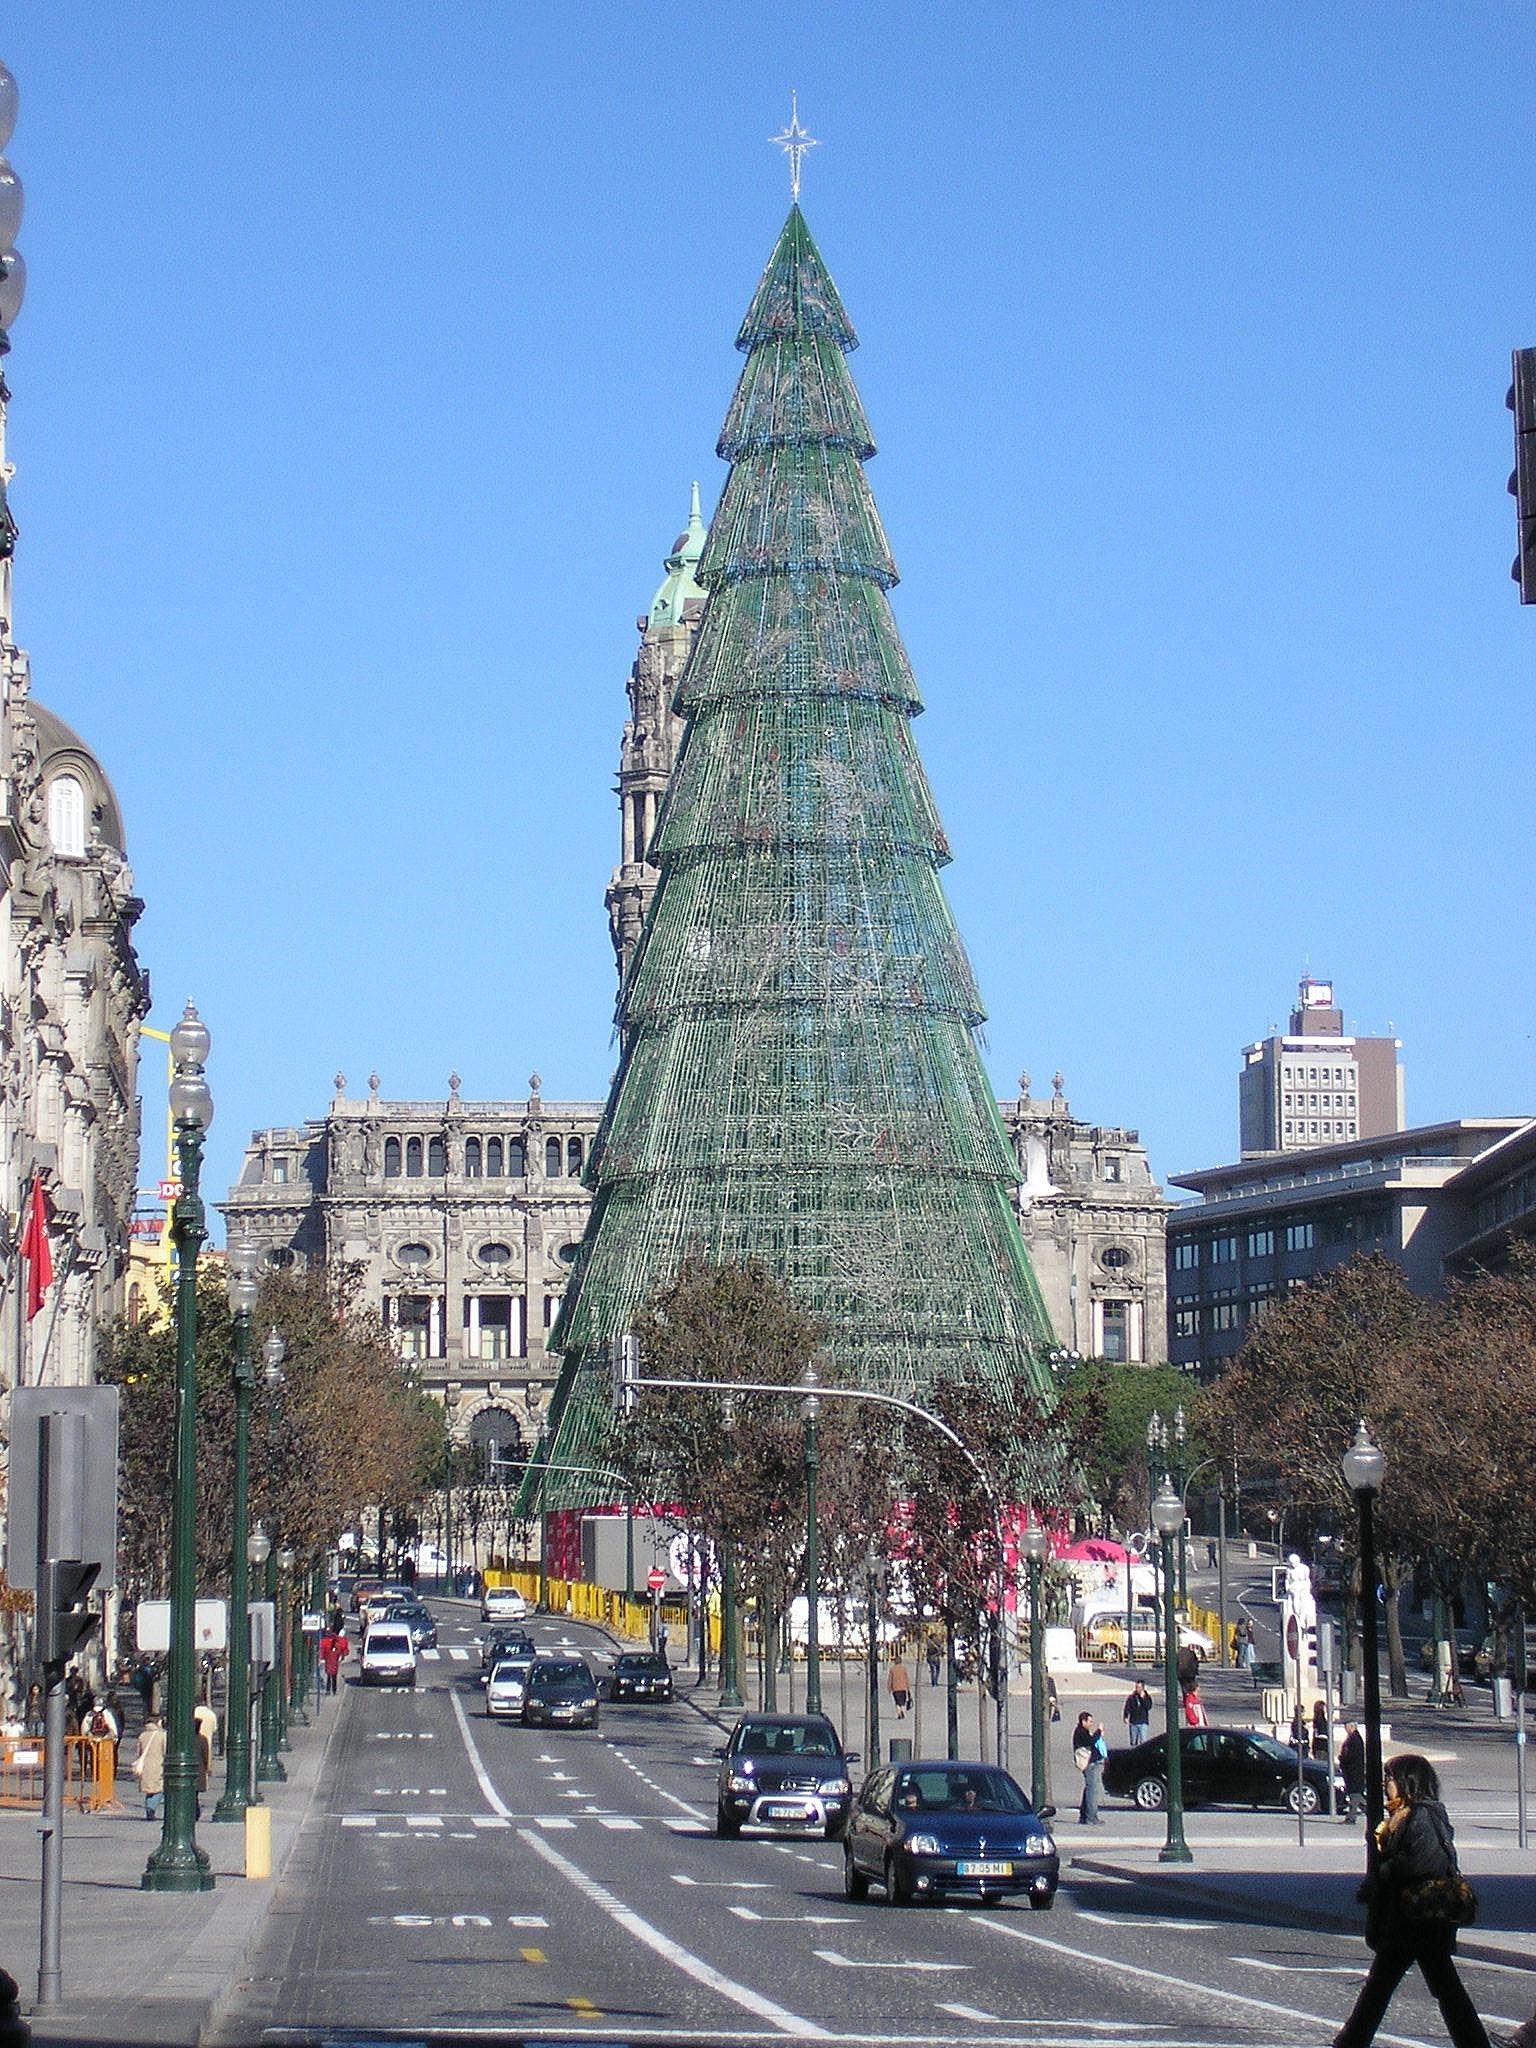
x,y
573,1157
282,1255
280,1172
437,1157
1299,1237
495,1255
414,1255
1261,1244
391,1158
517,1159
552,1158
413,1158
551,1303
1112,1169
1223,1250
1117,1318
493,1158
495,1333
1223,1315
413,1325
1186,1255
66,816
1186,1322
1116,1257
472,1158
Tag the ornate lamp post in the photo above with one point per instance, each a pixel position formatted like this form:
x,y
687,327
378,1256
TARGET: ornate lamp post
x,y
810,1408
269,1765
730,1663
1168,1519
1364,1466
282,1641
1180,1476
243,1290
874,1571
178,1864
1157,1461
1035,1545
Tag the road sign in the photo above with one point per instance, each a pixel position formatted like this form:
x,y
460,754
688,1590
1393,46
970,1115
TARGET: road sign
x,y
210,1625
655,1578
77,1427
1292,1636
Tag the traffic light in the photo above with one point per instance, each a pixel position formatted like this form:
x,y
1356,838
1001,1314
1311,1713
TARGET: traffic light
x,y
1522,483
624,1357
63,1622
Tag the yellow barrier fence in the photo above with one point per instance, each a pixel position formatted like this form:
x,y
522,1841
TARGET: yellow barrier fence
x,y
90,1771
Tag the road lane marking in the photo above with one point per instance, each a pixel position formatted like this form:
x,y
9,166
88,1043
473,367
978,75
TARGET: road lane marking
x,y
672,1951
429,1656
1056,2025
617,1821
493,1798
584,2009
723,1884
1298,1969
842,1962
1200,1991
533,1955
969,2012
527,1920
489,1820
795,1919
553,1820
359,1820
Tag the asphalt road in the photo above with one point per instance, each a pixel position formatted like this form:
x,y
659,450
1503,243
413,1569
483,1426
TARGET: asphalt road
x,y
467,1879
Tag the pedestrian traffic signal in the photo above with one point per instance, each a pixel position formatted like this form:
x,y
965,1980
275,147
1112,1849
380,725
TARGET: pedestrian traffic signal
x,y
63,1621
1522,483
624,1355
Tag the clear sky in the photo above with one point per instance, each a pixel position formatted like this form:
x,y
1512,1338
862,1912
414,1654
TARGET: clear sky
x,y
369,353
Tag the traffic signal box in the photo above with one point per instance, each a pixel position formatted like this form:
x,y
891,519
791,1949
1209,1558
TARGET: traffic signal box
x,y
63,1621
1522,482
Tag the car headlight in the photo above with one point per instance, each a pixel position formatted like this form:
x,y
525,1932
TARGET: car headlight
x,y
838,1788
924,1845
739,1781
590,1700
1038,1845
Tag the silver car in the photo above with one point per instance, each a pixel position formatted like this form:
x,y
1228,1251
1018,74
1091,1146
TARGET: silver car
x,y
507,1687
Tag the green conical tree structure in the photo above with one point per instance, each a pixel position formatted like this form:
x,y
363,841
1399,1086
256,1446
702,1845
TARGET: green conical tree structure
x,y
800,1081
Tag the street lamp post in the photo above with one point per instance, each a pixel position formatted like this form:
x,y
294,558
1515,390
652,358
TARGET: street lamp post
x,y
282,1643
810,1408
1035,1545
243,1291
1181,1482
178,1864
730,1668
1168,1519
1364,1465
1157,1461
873,1569
269,1765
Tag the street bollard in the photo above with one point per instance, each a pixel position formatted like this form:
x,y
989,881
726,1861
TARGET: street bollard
x,y
258,1841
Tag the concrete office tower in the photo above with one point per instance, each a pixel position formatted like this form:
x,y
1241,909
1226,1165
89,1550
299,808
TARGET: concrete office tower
x,y
1318,1084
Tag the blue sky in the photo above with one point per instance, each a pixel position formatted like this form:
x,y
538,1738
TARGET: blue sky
x,y
370,351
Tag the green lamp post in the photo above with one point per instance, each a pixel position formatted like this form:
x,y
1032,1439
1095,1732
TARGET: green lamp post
x,y
269,1765
243,1291
283,1641
178,1864
1180,1477
1036,1547
810,1408
1167,1520
730,1661
874,1575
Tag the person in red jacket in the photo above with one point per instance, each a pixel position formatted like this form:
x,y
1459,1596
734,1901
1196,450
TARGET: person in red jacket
x,y
333,1654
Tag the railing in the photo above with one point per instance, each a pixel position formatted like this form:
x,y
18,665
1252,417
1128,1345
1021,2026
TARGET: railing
x,y
90,1771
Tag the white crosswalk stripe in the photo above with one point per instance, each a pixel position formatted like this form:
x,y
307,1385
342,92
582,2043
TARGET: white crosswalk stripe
x,y
459,1654
618,1821
430,1656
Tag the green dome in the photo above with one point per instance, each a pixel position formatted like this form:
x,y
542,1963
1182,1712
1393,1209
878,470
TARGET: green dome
x,y
679,589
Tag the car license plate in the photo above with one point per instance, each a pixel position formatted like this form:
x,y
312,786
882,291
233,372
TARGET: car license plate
x,y
983,1870
783,1810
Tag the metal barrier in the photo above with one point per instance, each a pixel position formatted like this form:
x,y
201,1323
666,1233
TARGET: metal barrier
x,y
90,1771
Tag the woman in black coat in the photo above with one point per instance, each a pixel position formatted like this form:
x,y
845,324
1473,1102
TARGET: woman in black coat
x,y
1415,1844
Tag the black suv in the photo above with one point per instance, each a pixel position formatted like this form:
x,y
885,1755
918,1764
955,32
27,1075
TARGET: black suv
x,y
787,1772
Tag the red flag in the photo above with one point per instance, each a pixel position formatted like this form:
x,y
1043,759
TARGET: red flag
x,y
35,1247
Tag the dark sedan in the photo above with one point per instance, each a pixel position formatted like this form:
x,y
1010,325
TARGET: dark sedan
x,y
506,1641
948,1831
417,1619
1220,1767
562,1693
788,1772
638,1675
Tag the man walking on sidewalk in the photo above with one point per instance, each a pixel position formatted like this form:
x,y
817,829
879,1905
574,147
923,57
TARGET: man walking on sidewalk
x,y
1138,1714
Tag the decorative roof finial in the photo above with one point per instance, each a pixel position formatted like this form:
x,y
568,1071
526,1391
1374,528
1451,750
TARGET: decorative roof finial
x,y
339,1083
794,141
534,1084
454,1085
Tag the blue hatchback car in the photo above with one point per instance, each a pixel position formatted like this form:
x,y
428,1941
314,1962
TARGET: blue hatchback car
x,y
947,1830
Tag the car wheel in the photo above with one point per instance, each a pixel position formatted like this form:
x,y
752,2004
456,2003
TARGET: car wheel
x,y
1151,1795
897,1891
1303,1798
727,1826
855,1883
1042,1902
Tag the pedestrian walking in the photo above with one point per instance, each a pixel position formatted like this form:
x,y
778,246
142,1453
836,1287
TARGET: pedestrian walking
x,y
1090,1753
1210,1553
933,1656
1352,1770
1195,1715
1319,1728
333,1654
1137,1713
899,1682
143,1675
1416,1898
149,1764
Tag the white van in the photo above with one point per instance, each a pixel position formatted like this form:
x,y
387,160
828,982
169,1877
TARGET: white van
x,y
389,1655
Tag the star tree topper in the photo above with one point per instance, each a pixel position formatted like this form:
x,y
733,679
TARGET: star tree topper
x,y
794,141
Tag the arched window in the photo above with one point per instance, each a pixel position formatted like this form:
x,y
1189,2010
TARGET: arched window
x,y
391,1158
517,1159
573,1157
552,1157
66,815
413,1158
493,1157
437,1156
472,1158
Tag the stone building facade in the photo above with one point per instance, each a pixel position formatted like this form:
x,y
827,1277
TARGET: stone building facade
x,y
1093,1219
72,998
459,1218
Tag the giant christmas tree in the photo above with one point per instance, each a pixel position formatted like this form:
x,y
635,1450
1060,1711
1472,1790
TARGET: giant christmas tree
x,y
800,1082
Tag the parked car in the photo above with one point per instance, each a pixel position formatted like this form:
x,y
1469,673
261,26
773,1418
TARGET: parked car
x,y
389,1655
640,1675
506,1689
503,1603
1483,1661
1220,1767
788,1772
1107,1632
505,1641
562,1693
948,1830
417,1619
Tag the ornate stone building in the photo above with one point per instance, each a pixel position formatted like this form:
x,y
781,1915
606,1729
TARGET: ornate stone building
x,y
72,997
1093,1220
459,1219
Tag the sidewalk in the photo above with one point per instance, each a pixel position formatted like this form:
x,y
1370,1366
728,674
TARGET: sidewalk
x,y
145,1969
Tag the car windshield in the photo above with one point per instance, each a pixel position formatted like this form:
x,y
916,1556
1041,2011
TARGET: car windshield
x,y
1277,1752
509,1670
974,1789
387,1639
561,1674
645,1664
794,1739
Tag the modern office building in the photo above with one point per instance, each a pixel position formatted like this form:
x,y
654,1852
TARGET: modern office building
x,y
1317,1084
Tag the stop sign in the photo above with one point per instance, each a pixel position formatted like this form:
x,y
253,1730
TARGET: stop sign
x,y
655,1578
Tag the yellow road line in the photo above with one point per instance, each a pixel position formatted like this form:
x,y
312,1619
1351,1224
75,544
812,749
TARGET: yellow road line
x,y
534,1955
584,2009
